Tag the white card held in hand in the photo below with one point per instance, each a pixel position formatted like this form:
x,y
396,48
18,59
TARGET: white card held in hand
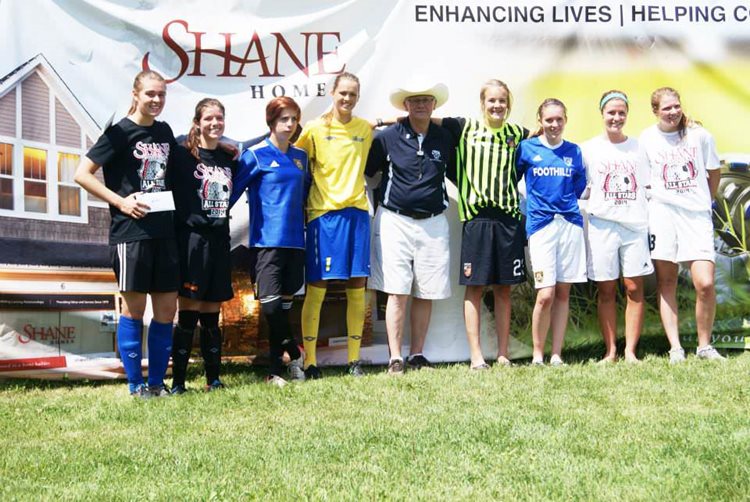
x,y
157,201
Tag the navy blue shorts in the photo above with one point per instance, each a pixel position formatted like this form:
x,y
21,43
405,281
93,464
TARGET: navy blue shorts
x,y
338,245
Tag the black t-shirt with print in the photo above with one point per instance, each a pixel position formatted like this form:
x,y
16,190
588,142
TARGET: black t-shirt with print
x,y
135,158
201,189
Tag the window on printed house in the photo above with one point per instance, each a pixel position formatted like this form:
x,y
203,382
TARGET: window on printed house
x,y
41,145
34,180
68,192
6,176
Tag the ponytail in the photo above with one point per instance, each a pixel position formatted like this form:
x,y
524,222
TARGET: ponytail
x,y
193,140
547,102
138,85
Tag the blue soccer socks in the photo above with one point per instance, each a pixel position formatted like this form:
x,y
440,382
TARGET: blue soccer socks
x,y
159,350
129,332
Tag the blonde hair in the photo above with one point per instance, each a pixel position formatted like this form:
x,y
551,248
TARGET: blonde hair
x,y
328,116
493,82
685,121
138,85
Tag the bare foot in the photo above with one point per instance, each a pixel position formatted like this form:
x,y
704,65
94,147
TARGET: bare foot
x,y
631,358
477,364
503,361
608,360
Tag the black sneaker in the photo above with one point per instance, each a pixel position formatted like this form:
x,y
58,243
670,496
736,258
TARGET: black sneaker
x,y
178,389
355,369
396,367
215,385
418,362
313,373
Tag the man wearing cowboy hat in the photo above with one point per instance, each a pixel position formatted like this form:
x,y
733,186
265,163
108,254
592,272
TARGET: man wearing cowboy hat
x,y
410,253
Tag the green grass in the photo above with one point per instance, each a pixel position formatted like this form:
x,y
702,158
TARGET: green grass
x,y
584,431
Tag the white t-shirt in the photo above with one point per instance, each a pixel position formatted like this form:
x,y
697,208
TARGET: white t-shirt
x,y
679,166
617,177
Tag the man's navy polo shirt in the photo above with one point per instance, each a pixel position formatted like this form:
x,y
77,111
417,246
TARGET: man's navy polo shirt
x,y
413,180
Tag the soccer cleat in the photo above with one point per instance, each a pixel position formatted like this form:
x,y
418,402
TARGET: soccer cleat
x,y
140,391
215,385
276,380
158,390
537,362
396,367
709,353
313,373
676,355
355,369
418,362
296,373
178,390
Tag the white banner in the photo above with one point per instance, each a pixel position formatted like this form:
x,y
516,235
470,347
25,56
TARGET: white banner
x,y
245,52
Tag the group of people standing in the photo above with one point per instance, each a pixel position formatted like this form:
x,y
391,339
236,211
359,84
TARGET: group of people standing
x,y
310,223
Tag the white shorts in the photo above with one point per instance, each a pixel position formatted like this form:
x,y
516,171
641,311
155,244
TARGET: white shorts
x,y
558,253
612,247
679,235
410,257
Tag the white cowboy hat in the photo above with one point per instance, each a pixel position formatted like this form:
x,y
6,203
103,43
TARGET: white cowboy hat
x,y
438,91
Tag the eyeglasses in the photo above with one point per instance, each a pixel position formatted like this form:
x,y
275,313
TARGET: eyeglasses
x,y
422,100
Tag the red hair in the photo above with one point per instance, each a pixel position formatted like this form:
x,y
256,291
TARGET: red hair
x,y
276,106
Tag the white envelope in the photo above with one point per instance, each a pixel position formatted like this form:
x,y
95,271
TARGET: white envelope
x,y
157,201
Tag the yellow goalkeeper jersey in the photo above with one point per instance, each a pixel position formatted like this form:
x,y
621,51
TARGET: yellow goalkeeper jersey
x,y
338,154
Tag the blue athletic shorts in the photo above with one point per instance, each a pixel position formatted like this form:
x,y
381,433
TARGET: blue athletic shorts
x,y
338,245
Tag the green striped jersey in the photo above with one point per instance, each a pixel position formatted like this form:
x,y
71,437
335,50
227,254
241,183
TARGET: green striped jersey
x,y
486,166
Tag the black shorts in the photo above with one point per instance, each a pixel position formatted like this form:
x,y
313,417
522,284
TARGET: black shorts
x,y
146,266
278,271
492,251
205,266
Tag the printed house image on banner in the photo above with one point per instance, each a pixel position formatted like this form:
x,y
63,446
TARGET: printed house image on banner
x,y
57,291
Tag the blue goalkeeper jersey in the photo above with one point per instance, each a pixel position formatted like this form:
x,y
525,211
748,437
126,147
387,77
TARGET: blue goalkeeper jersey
x,y
277,185
555,179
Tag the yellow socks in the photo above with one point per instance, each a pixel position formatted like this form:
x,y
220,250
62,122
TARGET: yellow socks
x,y
355,320
314,297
